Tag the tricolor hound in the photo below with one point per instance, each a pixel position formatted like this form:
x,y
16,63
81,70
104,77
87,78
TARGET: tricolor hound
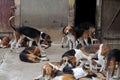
x,y
113,64
5,41
30,54
77,35
88,52
29,32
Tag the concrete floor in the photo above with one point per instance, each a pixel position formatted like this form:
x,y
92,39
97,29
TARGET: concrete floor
x,y
11,68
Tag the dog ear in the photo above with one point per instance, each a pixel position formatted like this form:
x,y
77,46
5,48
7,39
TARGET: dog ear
x,y
64,59
72,59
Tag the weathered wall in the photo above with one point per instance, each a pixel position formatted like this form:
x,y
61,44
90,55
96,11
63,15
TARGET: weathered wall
x,y
44,13
17,12
110,22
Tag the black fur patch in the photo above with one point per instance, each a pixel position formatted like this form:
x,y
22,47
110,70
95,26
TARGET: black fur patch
x,y
69,53
28,31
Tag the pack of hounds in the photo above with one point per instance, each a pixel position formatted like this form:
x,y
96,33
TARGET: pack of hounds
x,y
85,59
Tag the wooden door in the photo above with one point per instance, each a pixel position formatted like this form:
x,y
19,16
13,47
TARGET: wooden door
x,y
6,10
110,22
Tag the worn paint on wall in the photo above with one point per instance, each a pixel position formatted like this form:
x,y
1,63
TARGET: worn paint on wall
x,y
6,10
110,22
44,13
71,13
17,12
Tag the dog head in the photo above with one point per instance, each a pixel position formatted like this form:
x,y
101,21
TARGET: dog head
x,y
49,69
5,41
68,29
46,40
92,31
70,59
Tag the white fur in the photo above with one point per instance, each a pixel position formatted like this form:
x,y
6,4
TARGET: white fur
x,y
79,72
80,55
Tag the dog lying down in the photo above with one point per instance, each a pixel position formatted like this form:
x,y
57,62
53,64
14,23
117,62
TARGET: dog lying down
x,y
4,42
52,71
32,54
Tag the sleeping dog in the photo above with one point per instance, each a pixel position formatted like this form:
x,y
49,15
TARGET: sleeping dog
x,y
31,33
78,73
4,41
30,54
113,59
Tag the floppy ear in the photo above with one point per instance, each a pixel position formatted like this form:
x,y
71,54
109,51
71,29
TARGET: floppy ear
x,y
64,59
48,38
73,60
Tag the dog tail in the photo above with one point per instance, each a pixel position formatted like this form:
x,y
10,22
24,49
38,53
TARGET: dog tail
x,y
10,21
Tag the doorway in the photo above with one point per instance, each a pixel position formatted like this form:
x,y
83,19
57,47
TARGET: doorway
x,y
85,11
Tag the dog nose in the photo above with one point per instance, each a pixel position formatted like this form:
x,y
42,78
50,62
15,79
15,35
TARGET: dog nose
x,y
66,33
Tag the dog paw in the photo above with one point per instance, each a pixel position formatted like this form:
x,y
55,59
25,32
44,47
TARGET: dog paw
x,y
38,77
44,59
43,51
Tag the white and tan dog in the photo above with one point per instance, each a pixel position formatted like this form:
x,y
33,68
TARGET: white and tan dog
x,y
77,36
5,42
52,69
94,51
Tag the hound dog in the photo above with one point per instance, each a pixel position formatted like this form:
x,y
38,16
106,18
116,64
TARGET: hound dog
x,y
52,69
113,62
88,52
78,73
99,51
30,54
89,33
77,35
74,56
31,33
4,41
72,34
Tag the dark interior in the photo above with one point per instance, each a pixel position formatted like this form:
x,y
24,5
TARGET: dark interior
x,y
85,11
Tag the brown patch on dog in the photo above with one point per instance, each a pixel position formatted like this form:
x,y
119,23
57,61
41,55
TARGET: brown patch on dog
x,y
5,41
71,59
68,77
34,56
48,70
105,49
